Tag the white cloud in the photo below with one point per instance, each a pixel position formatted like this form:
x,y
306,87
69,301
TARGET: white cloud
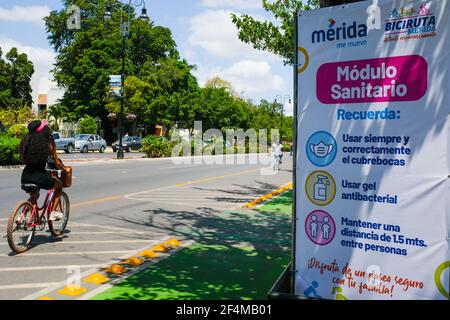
x,y
233,4
213,31
248,77
42,58
33,14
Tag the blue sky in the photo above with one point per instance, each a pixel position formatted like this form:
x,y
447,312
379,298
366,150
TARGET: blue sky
x,y
202,29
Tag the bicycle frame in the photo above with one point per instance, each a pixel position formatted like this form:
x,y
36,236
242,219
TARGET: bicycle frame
x,y
39,212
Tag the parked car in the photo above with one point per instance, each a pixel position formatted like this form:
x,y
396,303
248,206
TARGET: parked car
x,y
68,145
128,143
89,142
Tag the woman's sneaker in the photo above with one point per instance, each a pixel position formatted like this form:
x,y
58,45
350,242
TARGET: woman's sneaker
x,y
55,216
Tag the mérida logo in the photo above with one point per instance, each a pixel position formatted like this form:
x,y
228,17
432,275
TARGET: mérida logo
x,y
342,32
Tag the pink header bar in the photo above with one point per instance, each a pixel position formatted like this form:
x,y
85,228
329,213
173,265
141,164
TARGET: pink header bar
x,y
391,79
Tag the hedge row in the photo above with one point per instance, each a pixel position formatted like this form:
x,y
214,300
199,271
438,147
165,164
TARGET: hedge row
x,y
9,150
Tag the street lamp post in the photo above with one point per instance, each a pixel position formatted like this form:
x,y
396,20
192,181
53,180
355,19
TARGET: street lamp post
x,y
125,30
282,100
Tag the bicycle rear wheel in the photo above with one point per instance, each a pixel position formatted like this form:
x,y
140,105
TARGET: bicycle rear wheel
x,y
19,233
58,227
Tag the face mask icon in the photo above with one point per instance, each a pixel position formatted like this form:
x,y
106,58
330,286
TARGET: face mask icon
x,y
321,150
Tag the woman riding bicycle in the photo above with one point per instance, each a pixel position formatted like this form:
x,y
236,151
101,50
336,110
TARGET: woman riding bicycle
x,y
36,148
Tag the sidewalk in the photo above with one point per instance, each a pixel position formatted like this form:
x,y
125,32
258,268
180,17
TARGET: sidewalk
x,y
239,257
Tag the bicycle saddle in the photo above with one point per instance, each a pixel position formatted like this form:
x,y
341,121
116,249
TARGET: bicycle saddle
x,y
30,188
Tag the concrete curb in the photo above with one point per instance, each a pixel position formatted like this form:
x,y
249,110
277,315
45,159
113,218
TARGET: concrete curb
x,y
15,167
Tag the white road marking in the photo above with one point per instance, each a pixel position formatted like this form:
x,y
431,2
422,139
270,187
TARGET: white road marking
x,y
183,204
71,233
147,191
20,269
27,286
150,242
71,253
98,232
77,224
195,195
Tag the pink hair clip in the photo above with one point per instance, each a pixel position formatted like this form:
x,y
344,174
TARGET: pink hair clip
x,y
42,126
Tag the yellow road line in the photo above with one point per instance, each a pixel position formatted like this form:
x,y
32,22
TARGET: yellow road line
x,y
268,196
98,201
216,178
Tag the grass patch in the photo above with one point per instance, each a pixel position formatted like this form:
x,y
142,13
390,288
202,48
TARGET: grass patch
x,y
280,204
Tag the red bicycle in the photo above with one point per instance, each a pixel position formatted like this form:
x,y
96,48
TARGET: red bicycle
x,y
28,216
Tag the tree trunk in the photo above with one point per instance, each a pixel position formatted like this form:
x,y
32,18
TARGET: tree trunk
x,y
329,3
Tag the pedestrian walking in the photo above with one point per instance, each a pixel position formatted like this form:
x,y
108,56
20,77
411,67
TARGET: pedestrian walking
x,y
277,153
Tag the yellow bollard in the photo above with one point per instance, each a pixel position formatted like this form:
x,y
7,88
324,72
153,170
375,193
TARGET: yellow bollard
x,y
96,278
149,254
72,290
116,269
160,248
173,242
133,261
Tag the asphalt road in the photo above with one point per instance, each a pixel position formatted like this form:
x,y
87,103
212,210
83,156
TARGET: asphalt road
x,y
120,207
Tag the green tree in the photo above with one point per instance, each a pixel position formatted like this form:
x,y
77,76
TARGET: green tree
x,y
218,83
15,80
276,37
87,125
88,56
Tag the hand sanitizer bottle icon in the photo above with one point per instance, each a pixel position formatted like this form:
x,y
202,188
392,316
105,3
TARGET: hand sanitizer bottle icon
x,y
320,188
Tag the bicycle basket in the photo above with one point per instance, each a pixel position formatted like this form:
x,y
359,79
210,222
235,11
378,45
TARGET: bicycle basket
x,y
66,177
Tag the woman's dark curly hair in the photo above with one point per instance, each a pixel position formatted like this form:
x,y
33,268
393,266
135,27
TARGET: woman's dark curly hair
x,y
34,148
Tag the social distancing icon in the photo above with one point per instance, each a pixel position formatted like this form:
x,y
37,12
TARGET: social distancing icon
x,y
320,188
320,227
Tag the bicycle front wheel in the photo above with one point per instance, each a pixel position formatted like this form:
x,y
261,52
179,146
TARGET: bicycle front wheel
x,y
21,228
58,227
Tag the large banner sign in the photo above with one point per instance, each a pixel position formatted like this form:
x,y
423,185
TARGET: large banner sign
x,y
373,196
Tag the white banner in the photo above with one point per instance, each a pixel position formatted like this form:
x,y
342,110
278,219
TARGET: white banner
x,y
115,85
373,200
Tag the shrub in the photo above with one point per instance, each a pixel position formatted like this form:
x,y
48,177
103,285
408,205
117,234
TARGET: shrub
x,y
87,125
286,148
18,131
155,147
9,150
10,117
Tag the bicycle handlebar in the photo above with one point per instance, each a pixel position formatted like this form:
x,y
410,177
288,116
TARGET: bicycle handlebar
x,y
58,172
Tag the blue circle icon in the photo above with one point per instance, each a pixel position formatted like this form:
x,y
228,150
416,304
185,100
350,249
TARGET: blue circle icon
x,y
321,149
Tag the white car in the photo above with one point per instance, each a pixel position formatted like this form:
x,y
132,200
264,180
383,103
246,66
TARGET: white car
x,y
89,142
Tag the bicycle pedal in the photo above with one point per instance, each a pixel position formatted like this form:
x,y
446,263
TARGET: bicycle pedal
x,y
42,224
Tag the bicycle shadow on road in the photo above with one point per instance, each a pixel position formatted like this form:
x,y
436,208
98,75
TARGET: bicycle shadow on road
x,y
39,239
